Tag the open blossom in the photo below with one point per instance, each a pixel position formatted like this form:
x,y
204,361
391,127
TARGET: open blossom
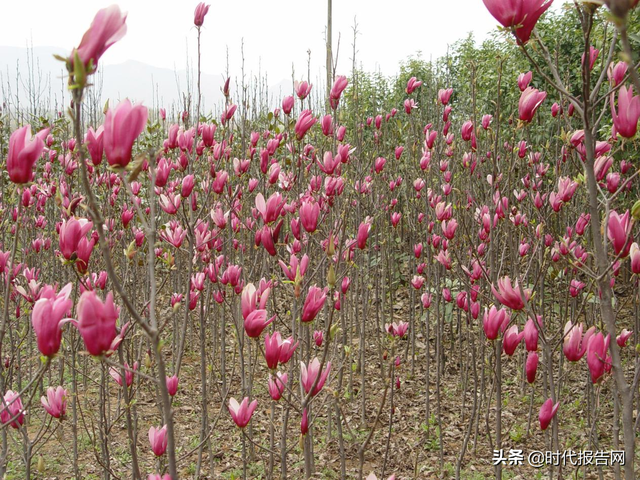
x,y
397,329
524,79
200,12
13,411
511,340
128,373
241,412
509,295
256,322
520,15
574,345
530,99
55,403
625,119
108,26
273,346
309,374
623,337
494,320
24,150
305,121
314,302
72,231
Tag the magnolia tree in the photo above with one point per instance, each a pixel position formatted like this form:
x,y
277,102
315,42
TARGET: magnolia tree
x,y
287,275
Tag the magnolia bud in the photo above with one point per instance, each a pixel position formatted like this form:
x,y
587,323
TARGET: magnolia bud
x,y
635,210
331,276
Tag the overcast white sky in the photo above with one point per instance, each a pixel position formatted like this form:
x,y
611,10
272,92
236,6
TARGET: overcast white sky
x,y
277,32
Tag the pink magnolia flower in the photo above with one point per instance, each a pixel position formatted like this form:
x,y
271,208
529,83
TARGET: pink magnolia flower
x,y
241,412
397,329
309,374
270,210
524,79
46,316
531,334
172,385
302,89
157,476
158,440
287,350
529,102
273,348
295,268
72,231
277,384
634,253
520,15
466,130
449,228
597,355
493,321
95,144
122,126
531,366
253,299
97,322
593,56
574,346
444,95
314,302
617,72
623,337
107,28
547,412
200,12
256,322
336,91
363,233
618,230
412,84
287,104
309,212
13,411
55,403
626,118
305,121
304,423
509,295
511,340
128,373
24,150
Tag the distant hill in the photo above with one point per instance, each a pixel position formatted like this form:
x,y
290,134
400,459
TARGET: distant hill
x,y
45,82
